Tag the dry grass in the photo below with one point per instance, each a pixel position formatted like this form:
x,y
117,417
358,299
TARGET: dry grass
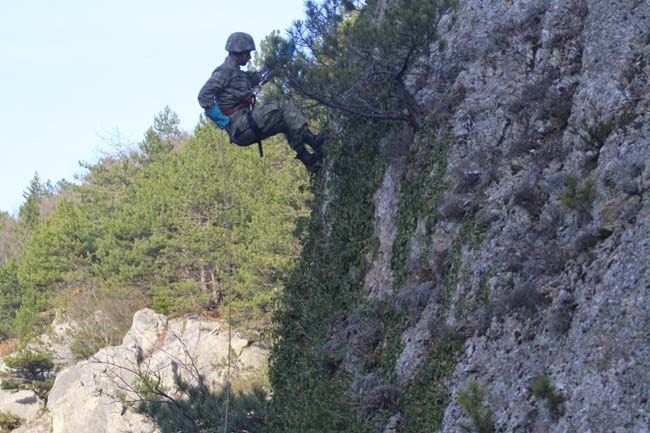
x,y
9,346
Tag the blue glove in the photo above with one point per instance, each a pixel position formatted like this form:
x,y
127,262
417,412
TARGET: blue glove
x,y
217,116
291,49
288,51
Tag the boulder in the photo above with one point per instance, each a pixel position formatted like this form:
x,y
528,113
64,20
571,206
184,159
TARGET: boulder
x,y
23,403
94,395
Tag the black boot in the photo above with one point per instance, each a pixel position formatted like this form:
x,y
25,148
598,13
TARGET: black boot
x,y
309,159
315,141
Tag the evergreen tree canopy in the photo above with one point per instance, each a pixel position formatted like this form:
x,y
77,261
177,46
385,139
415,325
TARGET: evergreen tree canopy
x,y
357,57
148,227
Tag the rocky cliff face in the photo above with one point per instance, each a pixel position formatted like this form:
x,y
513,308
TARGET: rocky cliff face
x,y
537,262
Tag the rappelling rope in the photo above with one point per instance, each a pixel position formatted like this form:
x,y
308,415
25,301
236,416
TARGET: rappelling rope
x,y
228,282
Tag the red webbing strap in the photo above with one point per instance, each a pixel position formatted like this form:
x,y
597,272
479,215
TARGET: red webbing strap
x,y
242,104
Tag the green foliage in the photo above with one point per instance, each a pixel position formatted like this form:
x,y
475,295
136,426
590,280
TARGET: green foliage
x,y
148,228
483,295
543,389
472,401
10,298
57,255
386,323
594,134
355,56
9,247
9,421
598,134
174,217
200,410
27,316
28,214
420,193
147,386
162,137
30,370
58,250
578,196
21,299
425,399
308,390
469,234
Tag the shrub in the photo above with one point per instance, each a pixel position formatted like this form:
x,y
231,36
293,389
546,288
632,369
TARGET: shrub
x,y
471,400
543,389
202,410
9,421
578,196
30,370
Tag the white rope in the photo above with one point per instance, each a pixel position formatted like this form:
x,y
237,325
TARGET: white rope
x,y
228,284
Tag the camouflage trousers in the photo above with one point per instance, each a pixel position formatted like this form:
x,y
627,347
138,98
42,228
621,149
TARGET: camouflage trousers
x,y
271,118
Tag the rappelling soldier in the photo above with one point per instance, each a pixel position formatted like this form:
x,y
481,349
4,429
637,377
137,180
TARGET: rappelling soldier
x,y
228,99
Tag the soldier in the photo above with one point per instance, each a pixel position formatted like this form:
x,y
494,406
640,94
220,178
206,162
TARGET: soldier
x,y
229,101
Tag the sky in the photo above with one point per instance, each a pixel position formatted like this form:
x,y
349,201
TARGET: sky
x,y
79,77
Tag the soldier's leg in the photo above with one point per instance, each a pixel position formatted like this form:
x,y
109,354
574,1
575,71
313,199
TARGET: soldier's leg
x,y
274,118
284,117
281,116
239,129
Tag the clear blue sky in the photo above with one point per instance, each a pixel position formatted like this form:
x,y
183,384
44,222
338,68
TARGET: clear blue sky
x,y
79,75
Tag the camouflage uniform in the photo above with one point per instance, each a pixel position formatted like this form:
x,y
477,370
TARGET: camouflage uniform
x,y
229,86
228,100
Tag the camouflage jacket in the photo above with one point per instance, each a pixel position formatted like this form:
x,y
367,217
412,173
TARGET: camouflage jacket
x,y
227,86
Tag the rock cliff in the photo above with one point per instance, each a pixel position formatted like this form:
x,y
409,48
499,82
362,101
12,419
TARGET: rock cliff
x,y
538,258
505,279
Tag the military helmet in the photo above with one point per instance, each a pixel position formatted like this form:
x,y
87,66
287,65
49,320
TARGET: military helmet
x,y
239,42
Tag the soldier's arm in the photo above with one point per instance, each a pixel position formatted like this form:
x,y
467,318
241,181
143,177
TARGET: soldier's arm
x,y
254,77
209,93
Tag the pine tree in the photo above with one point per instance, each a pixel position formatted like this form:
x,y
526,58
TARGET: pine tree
x,y
29,370
163,136
8,241
28,214
356,57
10,298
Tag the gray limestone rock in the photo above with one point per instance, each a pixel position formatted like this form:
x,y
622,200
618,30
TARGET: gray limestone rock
x,y
90,396
552,288
24,404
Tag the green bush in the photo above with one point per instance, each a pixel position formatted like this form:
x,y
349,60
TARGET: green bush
x,y
543,389
424,400
472,401
200,410
30,370
9,421
578,196
309,391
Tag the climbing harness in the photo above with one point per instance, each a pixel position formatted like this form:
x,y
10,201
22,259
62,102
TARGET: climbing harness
x,y
244,103
249,104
